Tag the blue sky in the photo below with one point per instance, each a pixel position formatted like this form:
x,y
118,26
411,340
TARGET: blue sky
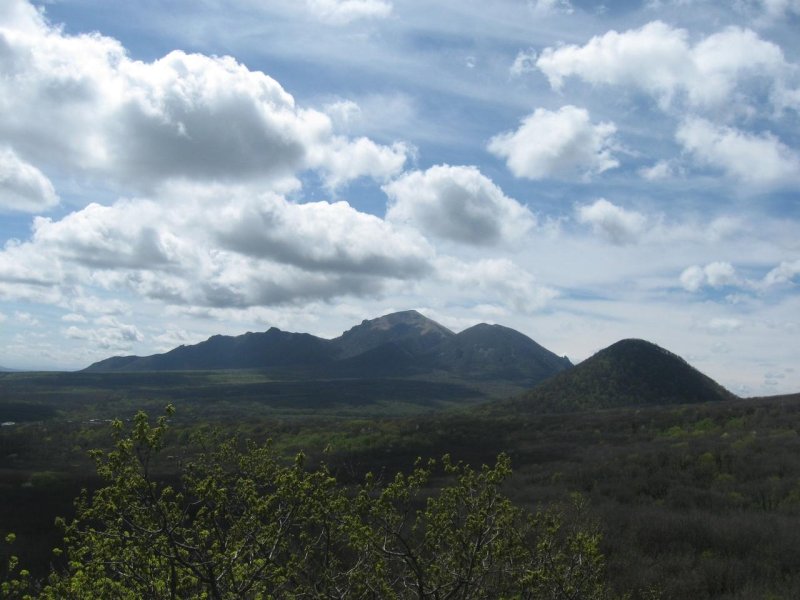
x,y
578,171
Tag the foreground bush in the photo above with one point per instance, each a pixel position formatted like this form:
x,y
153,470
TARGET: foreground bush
x,y
244,524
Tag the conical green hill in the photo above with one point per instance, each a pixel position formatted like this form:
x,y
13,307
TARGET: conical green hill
x,y
628,373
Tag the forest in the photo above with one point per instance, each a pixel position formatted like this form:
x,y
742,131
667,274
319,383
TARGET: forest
x,y
670,501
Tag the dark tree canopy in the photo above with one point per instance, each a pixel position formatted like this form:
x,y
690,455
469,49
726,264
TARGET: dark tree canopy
x,y
242,523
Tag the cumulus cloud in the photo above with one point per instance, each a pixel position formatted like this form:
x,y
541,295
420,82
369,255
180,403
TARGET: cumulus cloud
x,y
659,60
341,12
343,160
129,234
21,15
499,280
715,275
458,204
616,224
321,236
81,102
558,143
758,160
217,246
343,113
23,187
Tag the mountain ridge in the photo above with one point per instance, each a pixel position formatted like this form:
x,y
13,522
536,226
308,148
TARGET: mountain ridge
x,y
397,344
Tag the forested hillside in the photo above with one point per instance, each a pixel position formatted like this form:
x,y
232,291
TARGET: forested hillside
x,y
627,373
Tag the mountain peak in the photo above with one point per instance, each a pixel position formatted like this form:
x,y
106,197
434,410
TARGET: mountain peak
x,y
405,317
630,372
407,328
485,349
397,344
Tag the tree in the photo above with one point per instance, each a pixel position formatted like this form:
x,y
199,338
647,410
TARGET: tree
x,y
243,523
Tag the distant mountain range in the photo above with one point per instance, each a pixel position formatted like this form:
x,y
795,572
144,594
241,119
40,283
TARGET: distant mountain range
x,y
399,344
628,373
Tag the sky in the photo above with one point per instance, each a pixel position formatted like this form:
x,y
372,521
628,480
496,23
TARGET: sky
x,y
581,172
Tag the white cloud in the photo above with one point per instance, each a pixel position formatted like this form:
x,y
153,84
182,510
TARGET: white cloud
x,y
661,170
650,57
343,113
23,187
79,102
110,335
783,273
720,274
498,280
343,160
757,160
525,62
616,224
693,278
216,246
21,16
458,204
723,60
129,234
660,60
715,275
557,144
341,12
654,230
321,237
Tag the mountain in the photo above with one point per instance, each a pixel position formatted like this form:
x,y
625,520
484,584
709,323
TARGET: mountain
x,y
407,329
399,344
272,348
628,373
495,351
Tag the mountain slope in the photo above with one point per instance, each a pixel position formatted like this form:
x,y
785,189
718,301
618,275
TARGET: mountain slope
x,y
627,373
395,345
496,351
407,329
273,348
